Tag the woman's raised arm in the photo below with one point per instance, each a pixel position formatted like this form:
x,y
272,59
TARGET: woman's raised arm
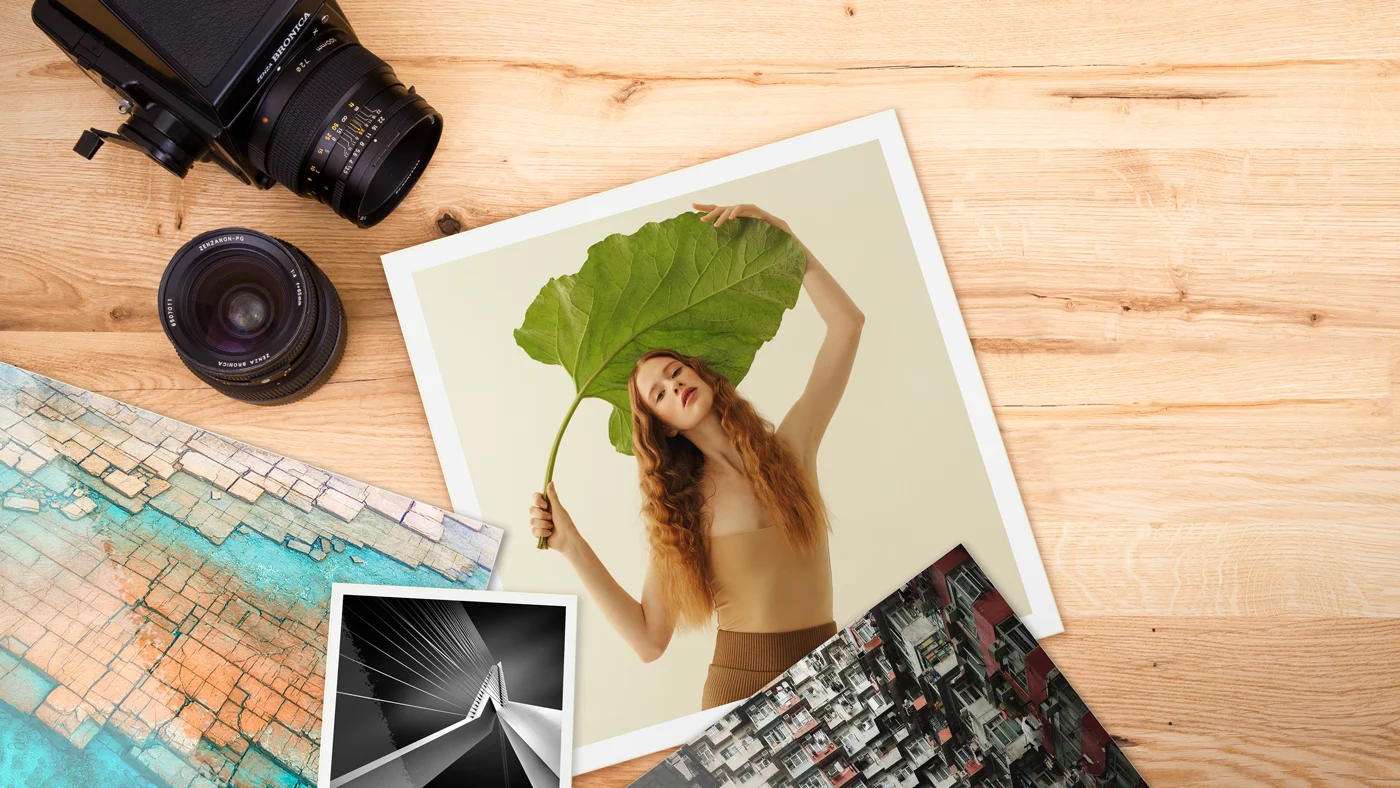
x,y
806,421
646,625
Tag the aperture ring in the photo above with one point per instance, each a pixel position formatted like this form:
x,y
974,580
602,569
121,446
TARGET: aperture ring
x,y
336,151
340,184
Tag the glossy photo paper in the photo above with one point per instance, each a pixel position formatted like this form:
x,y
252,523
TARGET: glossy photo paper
x,y
434,687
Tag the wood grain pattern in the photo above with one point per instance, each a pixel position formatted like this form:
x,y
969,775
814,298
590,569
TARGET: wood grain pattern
x,y
1172,228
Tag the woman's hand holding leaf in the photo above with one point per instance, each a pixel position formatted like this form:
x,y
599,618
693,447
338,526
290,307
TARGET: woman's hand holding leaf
x,y
550,521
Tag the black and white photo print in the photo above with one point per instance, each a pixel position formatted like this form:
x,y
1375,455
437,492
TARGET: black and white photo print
x,y
437,687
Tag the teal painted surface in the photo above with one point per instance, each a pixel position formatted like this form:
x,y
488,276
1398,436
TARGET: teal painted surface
x,y
30,759
25,687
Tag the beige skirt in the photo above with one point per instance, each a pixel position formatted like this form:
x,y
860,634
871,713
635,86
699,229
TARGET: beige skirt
x,y
745,662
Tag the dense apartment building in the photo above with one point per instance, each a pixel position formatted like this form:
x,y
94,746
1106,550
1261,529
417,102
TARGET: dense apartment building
x,y
938,686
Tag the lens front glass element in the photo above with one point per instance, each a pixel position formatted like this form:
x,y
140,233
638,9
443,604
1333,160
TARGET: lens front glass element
x,y
246,311
237,302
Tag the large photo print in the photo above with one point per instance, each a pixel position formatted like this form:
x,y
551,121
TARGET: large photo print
x,y
729,405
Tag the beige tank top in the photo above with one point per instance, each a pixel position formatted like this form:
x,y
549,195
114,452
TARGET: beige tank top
x,y
762,584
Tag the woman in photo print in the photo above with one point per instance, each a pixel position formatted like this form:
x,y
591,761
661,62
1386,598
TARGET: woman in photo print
x,y
735,521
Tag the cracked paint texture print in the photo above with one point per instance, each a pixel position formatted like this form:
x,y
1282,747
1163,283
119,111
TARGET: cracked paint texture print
x,y
164,593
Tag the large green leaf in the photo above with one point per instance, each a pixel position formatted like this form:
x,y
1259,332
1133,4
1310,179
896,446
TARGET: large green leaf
x,y
682,284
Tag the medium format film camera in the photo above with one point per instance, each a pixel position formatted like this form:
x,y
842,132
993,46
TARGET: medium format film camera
x,y
274,91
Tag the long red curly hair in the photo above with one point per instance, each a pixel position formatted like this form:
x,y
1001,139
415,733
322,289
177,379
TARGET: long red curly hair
x,y
671,469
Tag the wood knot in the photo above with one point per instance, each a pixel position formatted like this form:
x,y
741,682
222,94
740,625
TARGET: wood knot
x,y
633,88
1314,318
179,221
850,11
119,313
447,224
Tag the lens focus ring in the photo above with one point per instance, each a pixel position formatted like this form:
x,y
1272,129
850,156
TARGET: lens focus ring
x,y
309,110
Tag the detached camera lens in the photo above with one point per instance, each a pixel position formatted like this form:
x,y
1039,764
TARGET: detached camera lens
x,y
252,316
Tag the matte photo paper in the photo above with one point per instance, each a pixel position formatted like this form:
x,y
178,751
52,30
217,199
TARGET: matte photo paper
x,y
164,592
734,401
938,685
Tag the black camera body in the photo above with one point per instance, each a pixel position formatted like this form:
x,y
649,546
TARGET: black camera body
x,y
273,91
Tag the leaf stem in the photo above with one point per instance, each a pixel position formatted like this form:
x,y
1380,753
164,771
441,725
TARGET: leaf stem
x,y
543,542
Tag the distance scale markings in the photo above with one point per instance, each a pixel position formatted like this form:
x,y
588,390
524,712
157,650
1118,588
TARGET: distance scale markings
x,y
342,144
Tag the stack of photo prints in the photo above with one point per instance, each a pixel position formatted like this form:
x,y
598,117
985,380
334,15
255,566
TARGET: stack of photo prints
x,y
713,417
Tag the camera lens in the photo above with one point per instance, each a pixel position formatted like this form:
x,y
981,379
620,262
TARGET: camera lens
x,y
338,125
252,316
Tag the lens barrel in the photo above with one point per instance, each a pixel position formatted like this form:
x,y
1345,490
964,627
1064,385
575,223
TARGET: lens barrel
x,y
338,125
252,316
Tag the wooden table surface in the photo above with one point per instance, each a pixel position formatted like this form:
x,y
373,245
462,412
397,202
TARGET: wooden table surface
x,y
1172,226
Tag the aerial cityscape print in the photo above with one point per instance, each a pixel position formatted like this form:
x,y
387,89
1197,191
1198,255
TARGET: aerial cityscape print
x,y
164,593
938,686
